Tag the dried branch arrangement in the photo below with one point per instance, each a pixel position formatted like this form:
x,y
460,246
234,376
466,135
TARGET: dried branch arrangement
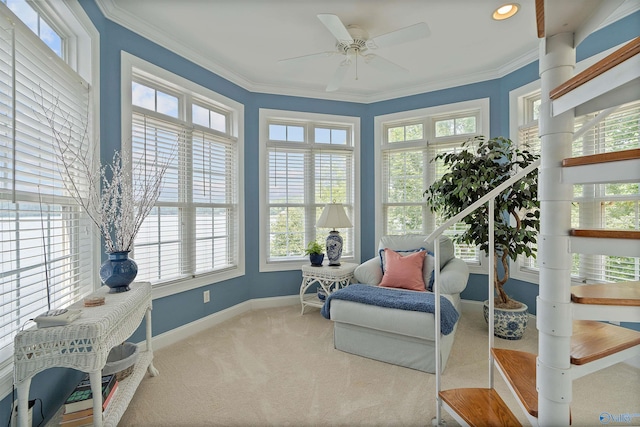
x,y
116,202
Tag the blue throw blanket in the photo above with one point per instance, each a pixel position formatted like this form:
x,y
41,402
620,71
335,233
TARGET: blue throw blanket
x,y
396,298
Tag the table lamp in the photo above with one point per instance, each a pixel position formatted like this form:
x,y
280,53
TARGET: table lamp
x,y
334,216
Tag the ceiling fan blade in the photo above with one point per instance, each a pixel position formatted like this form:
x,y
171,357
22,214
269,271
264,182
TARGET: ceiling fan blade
x,y
335,25
403,35
338,76
304,58
382,64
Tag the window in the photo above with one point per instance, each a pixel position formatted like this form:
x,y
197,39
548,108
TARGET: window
x,y
407,144
193,235
47,254
37,23
308,160
615,206
528,138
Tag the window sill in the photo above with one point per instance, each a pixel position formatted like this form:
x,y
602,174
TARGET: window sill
x,y
182,285
295,264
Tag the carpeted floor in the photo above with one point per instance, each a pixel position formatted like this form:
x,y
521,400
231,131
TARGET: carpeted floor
x,y
274,367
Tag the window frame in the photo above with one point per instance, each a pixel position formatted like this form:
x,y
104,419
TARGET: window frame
x,y
236,126
428,116
81,48
520,114
298,118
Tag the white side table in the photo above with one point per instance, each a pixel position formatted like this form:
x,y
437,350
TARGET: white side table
x,y
330,278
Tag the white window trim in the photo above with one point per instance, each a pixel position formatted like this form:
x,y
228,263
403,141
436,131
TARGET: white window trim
x,y
517,99
128,62
266,115
483,105
84,45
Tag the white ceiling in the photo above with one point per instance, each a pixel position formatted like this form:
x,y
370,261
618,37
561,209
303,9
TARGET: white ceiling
x,y
242,41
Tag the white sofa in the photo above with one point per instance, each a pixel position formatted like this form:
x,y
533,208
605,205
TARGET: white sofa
x,y
392,335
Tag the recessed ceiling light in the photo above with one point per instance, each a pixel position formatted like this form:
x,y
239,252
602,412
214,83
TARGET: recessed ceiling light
x,y
506,11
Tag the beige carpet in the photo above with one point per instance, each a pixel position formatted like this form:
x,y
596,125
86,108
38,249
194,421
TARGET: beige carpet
x,y
274,367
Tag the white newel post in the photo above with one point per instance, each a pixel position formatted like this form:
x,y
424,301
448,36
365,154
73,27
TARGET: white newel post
x,y
557,61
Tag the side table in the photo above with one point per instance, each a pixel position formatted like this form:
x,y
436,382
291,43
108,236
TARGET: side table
x,y
330,278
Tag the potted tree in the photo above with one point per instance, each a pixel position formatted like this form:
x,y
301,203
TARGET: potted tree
x,y
315,252
471,173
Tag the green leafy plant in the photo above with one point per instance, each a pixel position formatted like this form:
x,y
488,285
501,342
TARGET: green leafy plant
x,y
471,173
314,248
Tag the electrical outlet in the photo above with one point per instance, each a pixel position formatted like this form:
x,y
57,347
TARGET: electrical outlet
x,y
206,297
14,415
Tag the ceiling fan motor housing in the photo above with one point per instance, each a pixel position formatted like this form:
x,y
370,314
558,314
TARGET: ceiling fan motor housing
x,y
359,42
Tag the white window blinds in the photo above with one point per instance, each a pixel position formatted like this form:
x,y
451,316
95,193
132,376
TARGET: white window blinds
x,y
404,175
611,206
408,169
465,251
193,228
308,165
45,254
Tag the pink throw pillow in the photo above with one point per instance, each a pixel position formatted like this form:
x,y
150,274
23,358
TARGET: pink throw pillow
x,y
403,271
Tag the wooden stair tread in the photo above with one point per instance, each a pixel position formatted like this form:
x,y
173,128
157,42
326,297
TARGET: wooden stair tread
x,y
592,340
479,407
605,234
605,64
519,368
624,293
614,156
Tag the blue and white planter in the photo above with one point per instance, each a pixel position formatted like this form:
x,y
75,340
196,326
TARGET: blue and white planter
x,y
509,324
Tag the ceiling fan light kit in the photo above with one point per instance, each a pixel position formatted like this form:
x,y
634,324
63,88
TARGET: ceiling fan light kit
x,y
353,41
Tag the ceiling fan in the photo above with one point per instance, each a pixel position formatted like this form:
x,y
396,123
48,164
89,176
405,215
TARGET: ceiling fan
x,y
353,42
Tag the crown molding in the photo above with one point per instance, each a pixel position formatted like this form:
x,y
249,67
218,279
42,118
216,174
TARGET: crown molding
x,y
120,16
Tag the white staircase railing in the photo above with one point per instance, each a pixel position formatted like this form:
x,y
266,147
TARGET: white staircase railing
x,y
488,198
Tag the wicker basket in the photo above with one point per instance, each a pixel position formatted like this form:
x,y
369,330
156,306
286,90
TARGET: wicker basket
x,y
121,360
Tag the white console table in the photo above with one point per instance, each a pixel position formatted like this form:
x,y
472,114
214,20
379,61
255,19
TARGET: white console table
x,y
84,345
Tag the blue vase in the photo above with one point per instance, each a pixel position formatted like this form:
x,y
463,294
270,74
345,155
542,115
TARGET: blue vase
x,y
118,271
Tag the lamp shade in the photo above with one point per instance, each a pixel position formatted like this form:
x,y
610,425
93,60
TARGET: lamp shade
x,y
333,216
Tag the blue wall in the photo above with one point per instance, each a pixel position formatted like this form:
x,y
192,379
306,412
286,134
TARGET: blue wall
x,y
178,310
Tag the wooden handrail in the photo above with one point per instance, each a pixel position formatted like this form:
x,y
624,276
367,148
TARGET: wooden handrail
x,y
481,201
592,159
610,61
605,234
